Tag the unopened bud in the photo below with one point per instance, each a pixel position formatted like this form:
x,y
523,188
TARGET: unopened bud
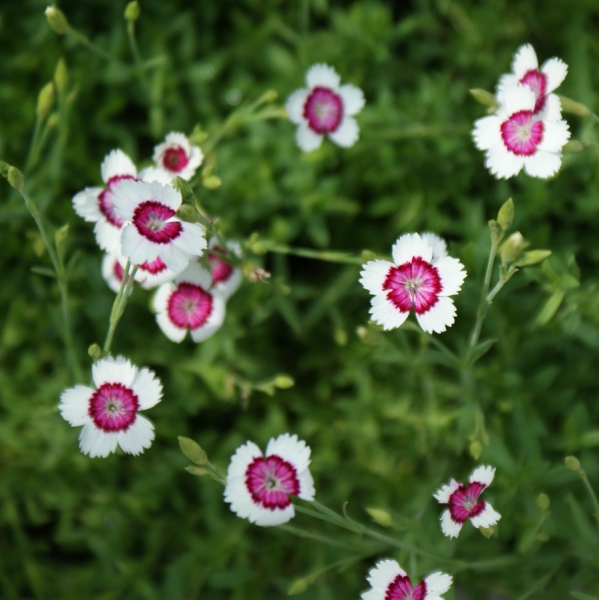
x,y
368,255
572,463
132,11
532,257
45,100
198,136
193,451
476,449
543,502
61,235
487,531
485,98
188,213
269,96
572,147
198,471
95,351
512,248
284,381
15,178
61,77
4,168
212,183
380,517
53,120
573,107
506,215
57,20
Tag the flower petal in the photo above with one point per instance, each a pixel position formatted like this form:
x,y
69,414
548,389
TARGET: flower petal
x,y
117,164
438,318
173,332
437,243
502,163
483,475
353,99
347,133
443,494
486,518
191,239
409,246
291,449
384,572
449,527
323,75
148,389
137,437
436,584
295,105
86,204
452,275
214,321
74,404
556,70
108,236
542,164
307,139
524,60
374,274
555,135
113,370
385,313
487,132
95,442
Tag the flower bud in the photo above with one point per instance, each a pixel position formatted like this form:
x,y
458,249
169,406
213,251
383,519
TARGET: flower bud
x,y
61,77
95,351
572,463
284,381
193,451
45,100
572,147
380,517
188,213
57,20
4,168
572,107
132,11
485,98
15,178
512,248
505,216
487,531
476,449
198,471
61,235
532,257
543,502
212,183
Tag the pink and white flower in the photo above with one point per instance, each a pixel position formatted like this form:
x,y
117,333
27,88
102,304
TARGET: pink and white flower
x,y
110,412
96,204
188,304
258,487
113,269
325,108
152,230
464,503
517,137
415,279
177,156
225,277
543,81
389,581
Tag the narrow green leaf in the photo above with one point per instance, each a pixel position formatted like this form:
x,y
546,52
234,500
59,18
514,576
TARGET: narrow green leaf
x,y
581,596
550,308
482,348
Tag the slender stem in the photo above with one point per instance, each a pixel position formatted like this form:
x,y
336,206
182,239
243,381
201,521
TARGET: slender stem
x,y
61,278
324,255
432,339
591,491
91,46
120,302
35,145
139,69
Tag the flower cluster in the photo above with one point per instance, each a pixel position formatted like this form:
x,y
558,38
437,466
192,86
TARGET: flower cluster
x,y
527,130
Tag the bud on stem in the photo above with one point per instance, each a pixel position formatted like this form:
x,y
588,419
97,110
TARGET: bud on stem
x,y
57,20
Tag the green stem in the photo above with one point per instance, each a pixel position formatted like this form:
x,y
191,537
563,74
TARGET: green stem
x,y
139,68
35,145
591,491
91,46
120,302
324,255
61,278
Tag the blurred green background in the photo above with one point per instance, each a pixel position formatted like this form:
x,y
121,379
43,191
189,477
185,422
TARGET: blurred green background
x,y
387,419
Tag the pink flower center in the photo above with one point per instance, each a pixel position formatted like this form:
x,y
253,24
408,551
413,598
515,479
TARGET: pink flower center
x,y
324,110
105,203
152,221
221,270
521,134
113,407
189,306
464,503
415,283
175,159
156,266
401,589
537,82
270,481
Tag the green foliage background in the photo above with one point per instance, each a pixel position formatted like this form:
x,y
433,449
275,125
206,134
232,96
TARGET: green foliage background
x,y
387,419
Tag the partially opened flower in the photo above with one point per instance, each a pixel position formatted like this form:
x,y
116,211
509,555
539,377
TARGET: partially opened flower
x,y
258,487
188,304
110,412
464,503
390,582
543,81
225,277
177,156
415,279
95,204
516,137
325,108
153,231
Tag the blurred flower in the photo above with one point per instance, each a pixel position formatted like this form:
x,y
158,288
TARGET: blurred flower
x,y
113,269
525,70
177,156
389,582
95,204
109,413
258,488
189,303
225,277
464,503
325,107
415,279
516,137
153,231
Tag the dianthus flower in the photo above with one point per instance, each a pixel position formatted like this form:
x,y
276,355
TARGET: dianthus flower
x,y
110,412
152,230
464,503
225,277
177,156
517,137
325,107
415,279
95,204
525,70
258,487
389,582
189,303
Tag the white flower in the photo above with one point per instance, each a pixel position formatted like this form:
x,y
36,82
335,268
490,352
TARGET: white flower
x,y
225,277
153,231
543,81
188,303
177,156
415,279
464,503
325,107
258,487
109,413
95,204
389,581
